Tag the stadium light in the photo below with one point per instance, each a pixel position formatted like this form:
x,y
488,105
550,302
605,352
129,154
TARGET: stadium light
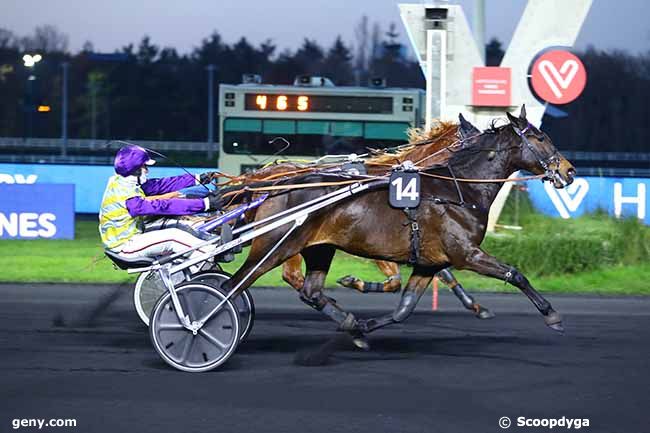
x,y
31,60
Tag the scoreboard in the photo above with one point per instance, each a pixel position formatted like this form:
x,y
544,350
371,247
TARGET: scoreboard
x,y
318,103
316,120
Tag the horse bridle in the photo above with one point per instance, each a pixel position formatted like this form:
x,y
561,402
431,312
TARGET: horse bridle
x,y
545,162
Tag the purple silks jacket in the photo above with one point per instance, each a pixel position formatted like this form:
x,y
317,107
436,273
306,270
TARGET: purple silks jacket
x,y
138,206
164,185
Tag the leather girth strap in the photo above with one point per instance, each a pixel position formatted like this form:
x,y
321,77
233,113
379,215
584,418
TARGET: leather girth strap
x,y
414,249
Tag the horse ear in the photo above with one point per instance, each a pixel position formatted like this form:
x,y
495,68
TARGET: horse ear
x,y
466,128
512,119
522,114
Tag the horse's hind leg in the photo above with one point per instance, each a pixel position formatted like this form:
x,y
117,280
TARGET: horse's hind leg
x,y
391,284
465,298
415,288
291,272
479,261
317,260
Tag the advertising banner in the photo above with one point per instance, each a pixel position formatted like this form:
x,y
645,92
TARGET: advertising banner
x,y
491,86
558,77
89,180
37,211
619,197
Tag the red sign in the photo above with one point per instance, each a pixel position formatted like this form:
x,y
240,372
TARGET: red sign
x,y
491,86
558,77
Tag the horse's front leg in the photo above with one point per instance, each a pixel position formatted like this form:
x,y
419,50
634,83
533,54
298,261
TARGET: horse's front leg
x,y
479,261
415,288
465,298
317,261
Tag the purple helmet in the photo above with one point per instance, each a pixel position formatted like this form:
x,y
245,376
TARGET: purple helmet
x,y
130,158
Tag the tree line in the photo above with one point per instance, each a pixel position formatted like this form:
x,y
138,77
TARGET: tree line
x,y
147,91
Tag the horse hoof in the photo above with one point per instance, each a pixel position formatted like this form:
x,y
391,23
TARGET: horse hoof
x,y
351,282
346,281
554,321
361,342
483,313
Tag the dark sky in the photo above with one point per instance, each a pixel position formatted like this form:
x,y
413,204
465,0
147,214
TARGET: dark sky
x,y
110,24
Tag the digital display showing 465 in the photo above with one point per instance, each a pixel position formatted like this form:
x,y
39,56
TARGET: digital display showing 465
x,y
318,103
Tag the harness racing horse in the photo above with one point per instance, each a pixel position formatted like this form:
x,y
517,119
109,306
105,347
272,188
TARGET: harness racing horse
x,y
291,269
456,197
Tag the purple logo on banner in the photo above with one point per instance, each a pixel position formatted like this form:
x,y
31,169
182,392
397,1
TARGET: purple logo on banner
x,y
37,211
620,197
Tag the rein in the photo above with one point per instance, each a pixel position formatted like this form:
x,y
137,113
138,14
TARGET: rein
x,y
544,162
300,186
460,179
349,182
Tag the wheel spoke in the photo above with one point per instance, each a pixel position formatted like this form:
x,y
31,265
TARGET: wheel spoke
x,y
187,305
212,339
206,318
186,350
170,327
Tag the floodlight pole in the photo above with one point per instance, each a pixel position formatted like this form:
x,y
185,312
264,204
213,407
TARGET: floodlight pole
x,y
436,76
30,61
210,68
93,110
479,26
64,110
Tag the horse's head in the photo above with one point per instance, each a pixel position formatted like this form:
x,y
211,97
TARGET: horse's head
x,y
537,153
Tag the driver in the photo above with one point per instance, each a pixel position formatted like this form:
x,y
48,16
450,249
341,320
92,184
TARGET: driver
x,y
130,196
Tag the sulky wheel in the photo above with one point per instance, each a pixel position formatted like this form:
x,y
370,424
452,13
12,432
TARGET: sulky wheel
x,y
211,346
243,302
148,289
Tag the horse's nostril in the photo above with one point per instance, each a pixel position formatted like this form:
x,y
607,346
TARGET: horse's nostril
x,y
571,173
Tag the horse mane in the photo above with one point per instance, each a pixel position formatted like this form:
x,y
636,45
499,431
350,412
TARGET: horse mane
x,y
494,128
421,144
466,154
271,169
